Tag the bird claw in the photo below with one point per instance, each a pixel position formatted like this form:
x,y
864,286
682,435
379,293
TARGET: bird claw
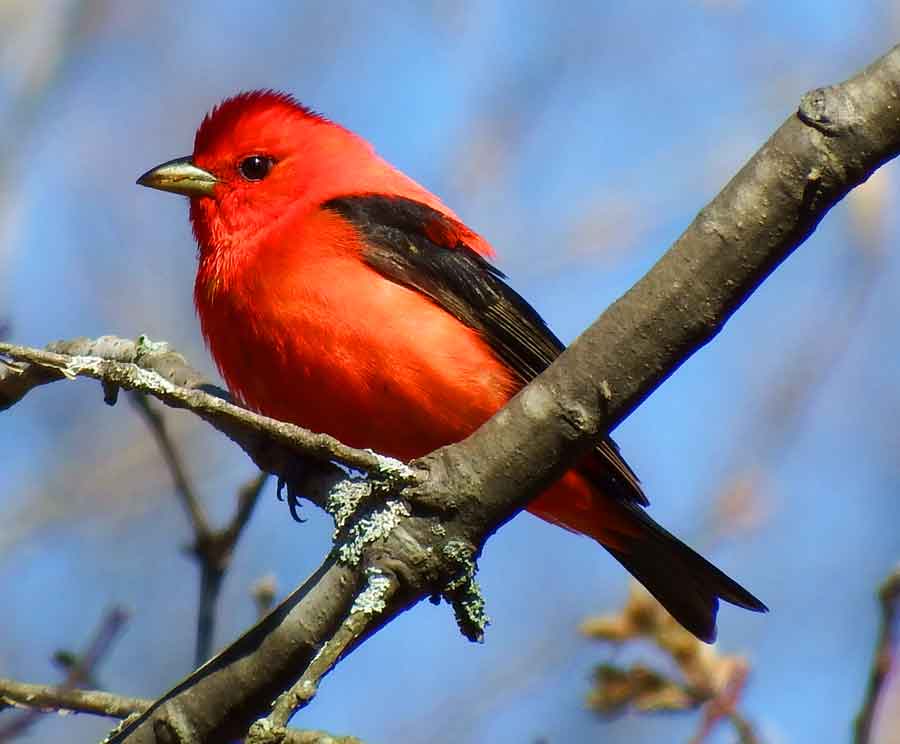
x,y
293,499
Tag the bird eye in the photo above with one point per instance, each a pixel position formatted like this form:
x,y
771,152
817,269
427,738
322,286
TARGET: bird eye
x,y
256,167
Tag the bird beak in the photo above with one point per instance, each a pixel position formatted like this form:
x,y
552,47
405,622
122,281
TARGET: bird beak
x,y
180,176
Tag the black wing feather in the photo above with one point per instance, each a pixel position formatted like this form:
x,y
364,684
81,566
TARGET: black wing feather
x,y
400,245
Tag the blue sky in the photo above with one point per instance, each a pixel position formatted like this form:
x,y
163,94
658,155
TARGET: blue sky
x,y
580,143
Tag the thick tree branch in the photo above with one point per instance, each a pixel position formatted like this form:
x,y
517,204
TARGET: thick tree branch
x,y
837,139
426,535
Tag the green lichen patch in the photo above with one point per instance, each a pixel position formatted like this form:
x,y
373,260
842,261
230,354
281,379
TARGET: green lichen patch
x,y
367,530
373,598
343,500
463,592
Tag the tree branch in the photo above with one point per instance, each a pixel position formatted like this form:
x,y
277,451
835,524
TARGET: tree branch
x,y
885,663
151,368
368,604
212,548
79,672
839,136
184,489
47,699
461,494
16,381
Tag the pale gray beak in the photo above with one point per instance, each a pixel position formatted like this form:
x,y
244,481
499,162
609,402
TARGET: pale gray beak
x,y
180,176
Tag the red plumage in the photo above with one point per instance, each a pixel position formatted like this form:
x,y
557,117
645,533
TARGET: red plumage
x,y
328,298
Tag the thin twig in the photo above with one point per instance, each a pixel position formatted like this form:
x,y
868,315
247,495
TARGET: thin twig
x,y
212,549
151,368
886,657
723,707
366,609
40,699
110,627
48,698
248,497
82,670
211,576
213,562
244,427
261,735
183,486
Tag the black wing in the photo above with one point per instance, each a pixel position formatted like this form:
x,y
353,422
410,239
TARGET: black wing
x,y
416,246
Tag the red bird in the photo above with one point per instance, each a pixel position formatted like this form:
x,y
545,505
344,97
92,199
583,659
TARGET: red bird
x,y
338,294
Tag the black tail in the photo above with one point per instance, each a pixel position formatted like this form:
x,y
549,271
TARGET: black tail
x,y
683,581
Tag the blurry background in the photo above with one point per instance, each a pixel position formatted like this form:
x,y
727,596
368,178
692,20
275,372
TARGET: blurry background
x,y
580,139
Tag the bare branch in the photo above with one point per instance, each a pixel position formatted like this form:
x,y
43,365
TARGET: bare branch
x,y
248,496
262,735
212,549
60,699
886,662
212,557
49,698
183,486
153,369
78,673
17,380
840,135
367,605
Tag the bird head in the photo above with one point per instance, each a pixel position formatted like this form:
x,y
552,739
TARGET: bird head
x,y
261,157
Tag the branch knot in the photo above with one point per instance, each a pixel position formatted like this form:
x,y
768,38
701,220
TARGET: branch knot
x,y
829,110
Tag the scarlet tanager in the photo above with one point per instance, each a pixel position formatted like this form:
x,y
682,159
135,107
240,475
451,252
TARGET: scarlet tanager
x,y
338,294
